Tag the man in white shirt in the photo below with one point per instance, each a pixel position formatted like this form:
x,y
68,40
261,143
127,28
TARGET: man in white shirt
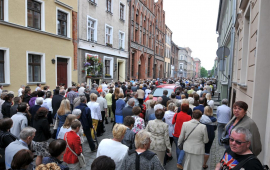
x,y
20,90
104,86
38,87
81,89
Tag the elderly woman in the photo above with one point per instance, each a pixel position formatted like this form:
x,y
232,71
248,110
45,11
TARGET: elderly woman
x,y
77,113
209,101
147,159
120,104
159,135
95,110
66,127
195,135
113,148
211,124
241,119
139,122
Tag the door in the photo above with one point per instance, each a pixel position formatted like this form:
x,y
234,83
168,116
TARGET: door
x,y
62,71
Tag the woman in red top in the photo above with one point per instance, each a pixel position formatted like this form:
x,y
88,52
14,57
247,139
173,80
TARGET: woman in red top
x,y
73,143
178,120
99,89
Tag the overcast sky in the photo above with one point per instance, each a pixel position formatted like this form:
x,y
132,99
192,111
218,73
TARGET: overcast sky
x,y
193,23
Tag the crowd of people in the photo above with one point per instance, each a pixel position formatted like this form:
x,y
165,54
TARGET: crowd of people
x,y
44,129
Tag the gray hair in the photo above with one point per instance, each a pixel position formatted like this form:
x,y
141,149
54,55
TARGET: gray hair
x,y
27,132
178,103
171,106
102,93
77,112
159,100
39,100
224,101
243,131
62,92
22,86
131,101
83,99
158,106
142,138
81,94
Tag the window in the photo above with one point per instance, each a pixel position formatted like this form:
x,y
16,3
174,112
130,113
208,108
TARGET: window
x,y
107,66
132,64
136,36
1,10
149,42
91,29
2,66
181,66
122,7
109,5
121,40
109,35
34,68
137,17
62,23
33,14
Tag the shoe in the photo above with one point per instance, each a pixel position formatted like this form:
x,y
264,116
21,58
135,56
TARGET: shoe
x,y
179,166
95,149
205,166
106,121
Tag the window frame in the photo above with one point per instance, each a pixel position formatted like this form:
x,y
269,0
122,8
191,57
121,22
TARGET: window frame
x,y
111,37
3,9
6,66
42,15
111,10
124,10
111,66
123,40
42,67
68,21
95,33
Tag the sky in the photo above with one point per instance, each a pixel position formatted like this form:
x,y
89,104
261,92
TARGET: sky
x,y
193,23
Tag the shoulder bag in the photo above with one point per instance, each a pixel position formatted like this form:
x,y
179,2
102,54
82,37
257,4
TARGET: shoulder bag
x,y
80,157
181,146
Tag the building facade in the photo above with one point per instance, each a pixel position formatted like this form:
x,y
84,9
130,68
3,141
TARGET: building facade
x,y
103,40
182,62
197,63
38,43
169,61
174,61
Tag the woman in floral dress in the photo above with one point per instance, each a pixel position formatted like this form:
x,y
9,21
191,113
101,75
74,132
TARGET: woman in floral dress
x,y
139,122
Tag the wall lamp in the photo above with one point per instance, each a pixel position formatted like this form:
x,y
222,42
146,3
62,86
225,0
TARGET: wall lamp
x,y
53,61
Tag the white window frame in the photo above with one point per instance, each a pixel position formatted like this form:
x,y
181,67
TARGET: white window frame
x,y
6,10
111,38
42,14
68,20
111,6
111,65
124,13
6,65
96,23
124,36
42,66
96,1
181,64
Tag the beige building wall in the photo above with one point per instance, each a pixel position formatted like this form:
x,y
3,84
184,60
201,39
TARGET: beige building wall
x,y
17,40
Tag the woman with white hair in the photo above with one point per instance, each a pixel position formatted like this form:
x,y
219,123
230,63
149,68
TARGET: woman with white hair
x,y
147,160
209,101
95,110
77,113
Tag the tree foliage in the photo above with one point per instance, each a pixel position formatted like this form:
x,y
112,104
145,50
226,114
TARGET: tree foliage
x,y
203,72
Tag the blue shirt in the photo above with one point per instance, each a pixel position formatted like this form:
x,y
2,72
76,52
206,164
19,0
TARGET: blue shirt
x,y
224,114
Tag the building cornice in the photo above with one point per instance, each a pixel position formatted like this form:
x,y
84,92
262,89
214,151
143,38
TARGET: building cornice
x,y
63,4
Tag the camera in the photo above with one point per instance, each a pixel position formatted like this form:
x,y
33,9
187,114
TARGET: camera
x,y
225,140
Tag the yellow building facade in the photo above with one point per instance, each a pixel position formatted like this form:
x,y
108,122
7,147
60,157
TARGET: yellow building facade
x,y
38,43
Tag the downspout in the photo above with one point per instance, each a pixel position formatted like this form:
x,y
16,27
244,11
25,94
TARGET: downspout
x,y
231,52
129,49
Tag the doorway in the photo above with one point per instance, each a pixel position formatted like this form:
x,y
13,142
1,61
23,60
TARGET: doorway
x,y
121,70
62,64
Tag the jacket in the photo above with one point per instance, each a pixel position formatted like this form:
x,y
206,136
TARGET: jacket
x,y
43,132
247,122
196,140
127,111
178,120
85,118
164,100
6,109
13,110
200,107
140,94
32,101
74,142
33,110
56,101
94,91
62,119
26,98
120,104
159,135
210,123
6,138
19,123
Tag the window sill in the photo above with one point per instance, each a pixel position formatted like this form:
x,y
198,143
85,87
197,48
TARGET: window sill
x,y
5,84
243,86
234,82
109,12
122,20
92,41
35,83
92,3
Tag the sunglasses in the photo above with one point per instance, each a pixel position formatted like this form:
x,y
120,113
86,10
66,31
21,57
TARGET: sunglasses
x,y
237,142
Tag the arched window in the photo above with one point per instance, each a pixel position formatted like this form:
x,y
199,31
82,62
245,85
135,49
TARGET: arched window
x,y
137,17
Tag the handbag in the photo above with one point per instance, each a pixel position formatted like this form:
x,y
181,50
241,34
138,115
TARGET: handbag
x,y
181,146
56,122
80,157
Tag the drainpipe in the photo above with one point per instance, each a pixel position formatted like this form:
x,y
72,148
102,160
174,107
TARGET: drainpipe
x,y
231,52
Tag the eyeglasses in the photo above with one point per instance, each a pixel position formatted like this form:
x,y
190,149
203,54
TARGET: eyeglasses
x,y
237,142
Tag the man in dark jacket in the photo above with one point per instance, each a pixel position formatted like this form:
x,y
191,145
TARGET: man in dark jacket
x,y
127,111
34,109
56,100
86,121
201,106
165,98
13,109
94,90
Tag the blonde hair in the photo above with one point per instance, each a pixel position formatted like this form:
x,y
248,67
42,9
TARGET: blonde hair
x,y
171,106
48,166
70,118
184,101
208,96
119,131
208,111
121,95
64,107
142,138
100,86
183,96
93,97
150,96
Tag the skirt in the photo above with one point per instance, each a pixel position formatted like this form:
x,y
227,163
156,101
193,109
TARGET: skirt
x,y
41,148
193,161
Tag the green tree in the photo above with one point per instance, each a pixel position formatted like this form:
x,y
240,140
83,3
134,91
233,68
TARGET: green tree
x,y
203,72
